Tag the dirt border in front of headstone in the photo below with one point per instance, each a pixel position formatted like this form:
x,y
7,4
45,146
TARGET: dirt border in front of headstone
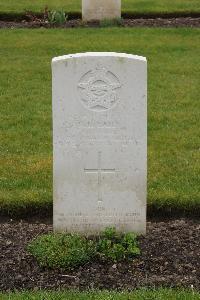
x,y
29,15
38,20
169,258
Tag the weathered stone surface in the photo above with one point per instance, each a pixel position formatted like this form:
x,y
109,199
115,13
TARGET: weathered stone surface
x,y
101,9
100,142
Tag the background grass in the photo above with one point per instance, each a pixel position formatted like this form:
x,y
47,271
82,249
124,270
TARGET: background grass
x,y
160,294
134,6
173,111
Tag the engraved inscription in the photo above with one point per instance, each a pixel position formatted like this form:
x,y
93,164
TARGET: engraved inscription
x,y
98,89
99,172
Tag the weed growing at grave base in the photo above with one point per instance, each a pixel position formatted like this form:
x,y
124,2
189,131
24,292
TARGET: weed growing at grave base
x,y
61,250
133,6
141,294
57,17
114,246
173,112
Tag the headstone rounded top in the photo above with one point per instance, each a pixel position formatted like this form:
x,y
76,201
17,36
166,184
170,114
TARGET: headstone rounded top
x,y
98,54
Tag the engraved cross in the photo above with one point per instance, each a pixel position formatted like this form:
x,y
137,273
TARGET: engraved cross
x,y
99,171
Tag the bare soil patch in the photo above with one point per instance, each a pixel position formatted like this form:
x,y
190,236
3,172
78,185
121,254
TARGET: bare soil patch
x,y
34,22
170,257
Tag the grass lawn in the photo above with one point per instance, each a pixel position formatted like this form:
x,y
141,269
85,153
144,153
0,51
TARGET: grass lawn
x,y
161,294
173,111
134,6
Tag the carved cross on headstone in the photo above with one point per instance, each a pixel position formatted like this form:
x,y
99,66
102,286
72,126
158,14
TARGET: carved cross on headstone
x,y
99,171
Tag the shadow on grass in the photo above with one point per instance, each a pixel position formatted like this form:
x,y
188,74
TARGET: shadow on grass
x,y
37,212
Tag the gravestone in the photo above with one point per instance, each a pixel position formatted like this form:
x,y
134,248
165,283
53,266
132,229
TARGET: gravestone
x,y
100,142
101,9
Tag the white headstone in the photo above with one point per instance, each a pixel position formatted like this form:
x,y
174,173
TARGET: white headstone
x,y
100,142
101,9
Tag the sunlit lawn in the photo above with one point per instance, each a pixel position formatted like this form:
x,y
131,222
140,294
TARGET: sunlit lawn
x,y
160,294
173,111
137,6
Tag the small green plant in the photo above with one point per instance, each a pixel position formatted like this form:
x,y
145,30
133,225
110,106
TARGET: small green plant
x,y
61,250
111,22
72,250
57,17
115,246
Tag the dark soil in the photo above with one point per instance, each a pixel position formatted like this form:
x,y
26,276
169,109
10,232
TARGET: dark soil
x,y
170,257
163,22
134,22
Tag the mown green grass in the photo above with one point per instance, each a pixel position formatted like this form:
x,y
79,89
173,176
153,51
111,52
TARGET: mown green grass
x,y
173,111
143,294
134,6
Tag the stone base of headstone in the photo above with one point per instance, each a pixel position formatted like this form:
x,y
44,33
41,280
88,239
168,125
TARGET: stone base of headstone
x,y
101,9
